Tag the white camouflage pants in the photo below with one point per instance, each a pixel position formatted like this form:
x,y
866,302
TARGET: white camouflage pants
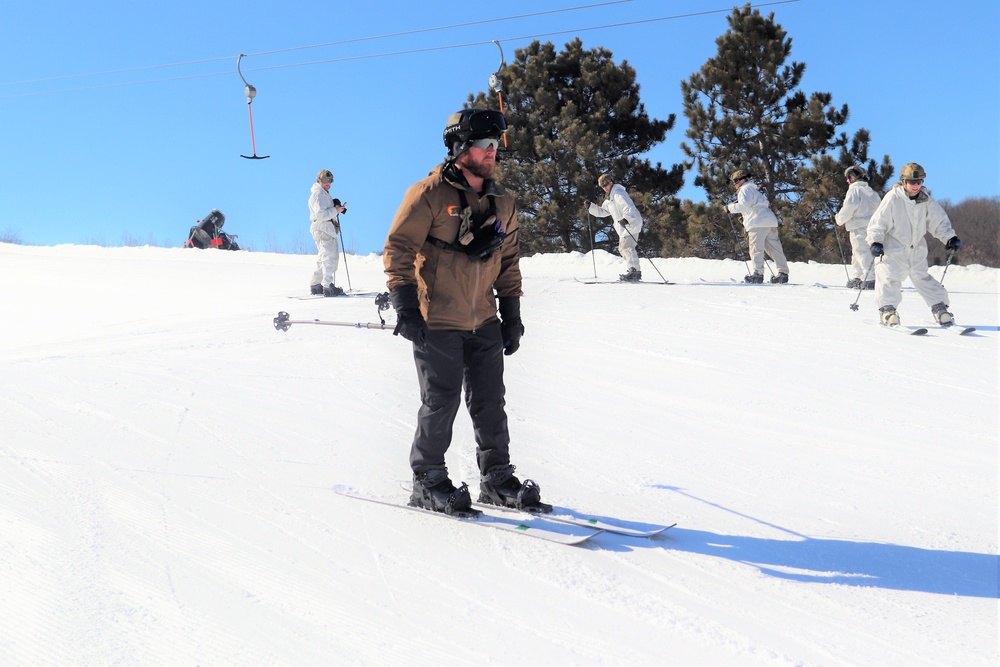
x,y
627,244
861,255
765,239
328,255
892,268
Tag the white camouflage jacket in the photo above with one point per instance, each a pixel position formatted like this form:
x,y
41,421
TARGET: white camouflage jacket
x,y
753,206
900,223
621,209
322,211
859,204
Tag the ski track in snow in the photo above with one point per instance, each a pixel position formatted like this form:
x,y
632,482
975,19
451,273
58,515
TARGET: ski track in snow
x,y
168,460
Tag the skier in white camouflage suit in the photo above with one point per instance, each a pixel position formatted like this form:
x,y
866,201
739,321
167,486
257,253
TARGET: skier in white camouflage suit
x,y
627,222
761,226
896,234
325,215
859,204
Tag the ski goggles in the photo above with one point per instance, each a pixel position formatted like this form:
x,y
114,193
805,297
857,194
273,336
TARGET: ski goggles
x,y
487,122
487,143
913,181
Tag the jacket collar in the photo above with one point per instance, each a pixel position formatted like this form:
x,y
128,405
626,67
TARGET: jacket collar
x,y
454,177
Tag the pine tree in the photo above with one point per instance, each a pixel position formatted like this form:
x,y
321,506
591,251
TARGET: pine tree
x,y
745,110
571,116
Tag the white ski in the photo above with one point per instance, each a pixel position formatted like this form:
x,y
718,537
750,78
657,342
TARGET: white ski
x,y
563,515
535,527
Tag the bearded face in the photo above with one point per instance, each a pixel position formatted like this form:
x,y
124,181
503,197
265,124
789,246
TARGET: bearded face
x,y
478,162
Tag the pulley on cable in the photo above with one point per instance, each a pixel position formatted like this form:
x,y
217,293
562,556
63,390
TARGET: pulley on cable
x,y
250,92
496,84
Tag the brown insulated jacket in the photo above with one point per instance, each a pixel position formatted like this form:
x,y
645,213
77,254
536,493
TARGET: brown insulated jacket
x,y
455,291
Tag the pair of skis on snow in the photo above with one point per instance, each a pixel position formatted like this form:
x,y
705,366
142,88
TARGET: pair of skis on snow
x,y
596,281
350,293
701,282
922,331
515,521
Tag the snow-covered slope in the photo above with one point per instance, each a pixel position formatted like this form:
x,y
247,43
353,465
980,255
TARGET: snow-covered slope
x,y
167,461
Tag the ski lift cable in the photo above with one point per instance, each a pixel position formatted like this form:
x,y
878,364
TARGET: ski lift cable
x,y
519,38
312,46
381,55
418,31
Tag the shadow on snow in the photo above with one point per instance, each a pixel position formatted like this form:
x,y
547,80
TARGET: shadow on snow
x,y
831,561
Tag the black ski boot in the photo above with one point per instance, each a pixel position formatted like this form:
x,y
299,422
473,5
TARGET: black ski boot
x,y
432,490
316,289
631,276
332,290
780,279
869,285
854,283
754,278
499,486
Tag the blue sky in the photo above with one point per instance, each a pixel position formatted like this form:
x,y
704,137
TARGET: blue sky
x,y
93,154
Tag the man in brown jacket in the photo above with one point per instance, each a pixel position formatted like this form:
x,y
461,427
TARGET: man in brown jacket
x,y
451,254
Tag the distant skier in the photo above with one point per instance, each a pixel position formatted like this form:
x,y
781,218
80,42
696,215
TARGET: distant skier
x,y
626,220
859,204
452,253
761,226
896,234
325,215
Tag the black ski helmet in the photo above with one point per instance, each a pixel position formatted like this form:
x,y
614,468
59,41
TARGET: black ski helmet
x,y
465,126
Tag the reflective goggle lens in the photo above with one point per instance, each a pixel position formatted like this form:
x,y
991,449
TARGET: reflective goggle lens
x,y
488,122
487,143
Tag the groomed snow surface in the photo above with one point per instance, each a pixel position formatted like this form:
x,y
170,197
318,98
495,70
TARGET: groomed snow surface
x,y
167,461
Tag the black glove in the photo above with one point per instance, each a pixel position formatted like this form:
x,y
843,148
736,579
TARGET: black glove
x,y
586,203
877,249
953,243
410,323
511,328
336,202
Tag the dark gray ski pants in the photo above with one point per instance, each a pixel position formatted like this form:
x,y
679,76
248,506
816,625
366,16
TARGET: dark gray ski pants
x,y
450,362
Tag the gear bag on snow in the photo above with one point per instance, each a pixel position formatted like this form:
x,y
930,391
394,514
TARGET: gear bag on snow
x,y
208,233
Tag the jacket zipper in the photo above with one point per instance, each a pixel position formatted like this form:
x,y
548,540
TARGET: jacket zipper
x,y
475,295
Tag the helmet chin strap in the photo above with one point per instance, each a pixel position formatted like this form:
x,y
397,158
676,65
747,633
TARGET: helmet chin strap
x,y
450,167
464,146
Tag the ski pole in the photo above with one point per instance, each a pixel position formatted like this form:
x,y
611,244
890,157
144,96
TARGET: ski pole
x,y
625,227
590,228
767,263
843,257
344,253
947,263
283,322
854,306
739,243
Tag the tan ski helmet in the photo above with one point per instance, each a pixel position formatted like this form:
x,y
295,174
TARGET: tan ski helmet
x,y
912,170
739,175
856,172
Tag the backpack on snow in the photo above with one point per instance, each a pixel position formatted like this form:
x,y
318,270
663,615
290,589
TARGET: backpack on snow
x,y
208,233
